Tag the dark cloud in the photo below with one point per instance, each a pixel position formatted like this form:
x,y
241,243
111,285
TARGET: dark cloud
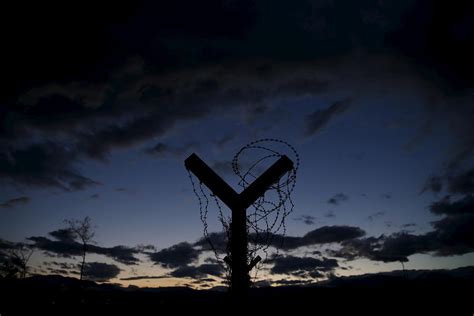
x,y
203,281
212,269
322,235
57,271
223,141
465,151
149,73
455,183
446,32
64,235
462,183
63,265
52,163
320,118
286,282
58,247
158,104
186,272
143,277
122,254
121,189
66,246
456,120
451,235
145,247
371,217
101,272
386,195
306,219
198,271
113,126
46,164
433,184
218,241
97,143
147,28
5,244
338,198
15,201
211,260
178,255
94,196
399,246
163,150
302,267
329,214
331,234
447,207
262,283
363,248
62,268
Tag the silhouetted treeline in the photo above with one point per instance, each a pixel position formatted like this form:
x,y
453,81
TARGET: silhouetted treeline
x,y
429,292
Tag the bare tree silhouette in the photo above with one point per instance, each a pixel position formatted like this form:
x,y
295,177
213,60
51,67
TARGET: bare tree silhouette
x,y
83,231
403,266
16,261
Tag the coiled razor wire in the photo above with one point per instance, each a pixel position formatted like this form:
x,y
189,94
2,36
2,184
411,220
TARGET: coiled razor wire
x,y
267,215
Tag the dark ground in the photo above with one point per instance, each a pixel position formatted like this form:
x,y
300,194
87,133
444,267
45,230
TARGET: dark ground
x,y
445,292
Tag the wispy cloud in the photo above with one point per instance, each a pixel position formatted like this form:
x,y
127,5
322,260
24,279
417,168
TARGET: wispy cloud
x,y
338,198
320,118
15,202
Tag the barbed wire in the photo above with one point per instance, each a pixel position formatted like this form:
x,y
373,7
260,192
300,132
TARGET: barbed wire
x,y
266,217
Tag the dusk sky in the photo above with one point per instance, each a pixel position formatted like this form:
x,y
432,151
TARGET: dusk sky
x,y
101,105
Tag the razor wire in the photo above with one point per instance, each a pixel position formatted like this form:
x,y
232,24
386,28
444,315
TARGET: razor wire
x,y
267,215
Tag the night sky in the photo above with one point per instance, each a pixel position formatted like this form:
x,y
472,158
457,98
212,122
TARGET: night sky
x,y
101,104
